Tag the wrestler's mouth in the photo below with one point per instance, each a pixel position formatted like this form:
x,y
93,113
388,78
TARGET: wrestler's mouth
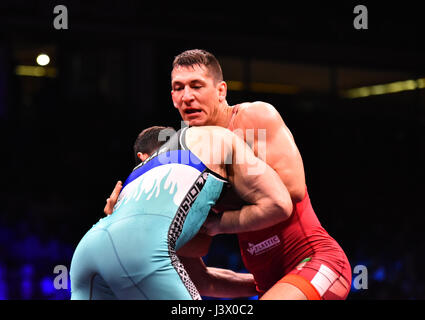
x,y
192,111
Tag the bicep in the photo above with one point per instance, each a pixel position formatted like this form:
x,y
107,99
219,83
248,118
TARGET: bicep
x,y
251,177
278,148
284,157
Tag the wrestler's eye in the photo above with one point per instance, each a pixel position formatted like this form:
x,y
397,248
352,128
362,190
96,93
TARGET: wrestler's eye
x,y
196,85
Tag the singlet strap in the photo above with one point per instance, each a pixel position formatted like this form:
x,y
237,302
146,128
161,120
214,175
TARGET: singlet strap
x,y
217,176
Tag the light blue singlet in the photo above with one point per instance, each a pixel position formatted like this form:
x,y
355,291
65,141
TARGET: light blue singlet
x,y
131,254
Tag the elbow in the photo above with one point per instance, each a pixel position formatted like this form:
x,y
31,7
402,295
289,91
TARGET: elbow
x,y
283,208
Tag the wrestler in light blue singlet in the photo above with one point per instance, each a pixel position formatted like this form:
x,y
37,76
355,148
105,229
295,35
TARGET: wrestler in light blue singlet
x,y
131,254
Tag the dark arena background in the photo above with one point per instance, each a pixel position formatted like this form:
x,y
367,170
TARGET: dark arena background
x,y
354,100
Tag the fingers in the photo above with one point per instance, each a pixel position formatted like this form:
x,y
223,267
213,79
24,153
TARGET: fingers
x,y
214,210
117,189
108,207
113,198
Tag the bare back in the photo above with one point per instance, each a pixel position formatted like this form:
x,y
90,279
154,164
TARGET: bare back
x,y
212,145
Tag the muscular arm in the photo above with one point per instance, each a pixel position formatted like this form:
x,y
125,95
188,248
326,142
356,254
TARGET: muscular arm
x,y
217,282
274,144
260,186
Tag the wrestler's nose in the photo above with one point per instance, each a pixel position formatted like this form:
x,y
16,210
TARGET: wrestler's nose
x,y
187,95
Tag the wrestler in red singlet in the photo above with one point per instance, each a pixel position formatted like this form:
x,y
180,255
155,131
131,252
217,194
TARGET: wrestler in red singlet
x,y
298,251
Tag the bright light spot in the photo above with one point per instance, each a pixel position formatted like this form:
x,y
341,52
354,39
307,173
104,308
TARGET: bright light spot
x,y
392,87
410,85
378,89
43,59
421,83
33,71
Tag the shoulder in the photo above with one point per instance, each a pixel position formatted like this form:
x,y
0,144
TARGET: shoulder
x,y
257,114
209,136
256,106
213,145
209,131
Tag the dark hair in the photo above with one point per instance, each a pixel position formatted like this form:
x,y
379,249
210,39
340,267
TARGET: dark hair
x,y
151,139
202,58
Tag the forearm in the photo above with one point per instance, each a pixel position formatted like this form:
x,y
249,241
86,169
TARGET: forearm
x,y
219,283
268,198
225,283
251,218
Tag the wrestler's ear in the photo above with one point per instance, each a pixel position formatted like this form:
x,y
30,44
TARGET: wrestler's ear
x,y
222,91
142,156
172,98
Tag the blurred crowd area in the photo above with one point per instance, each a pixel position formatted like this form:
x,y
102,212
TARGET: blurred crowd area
x,y
29,258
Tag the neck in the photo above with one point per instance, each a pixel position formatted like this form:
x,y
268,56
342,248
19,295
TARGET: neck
x,y
223,115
